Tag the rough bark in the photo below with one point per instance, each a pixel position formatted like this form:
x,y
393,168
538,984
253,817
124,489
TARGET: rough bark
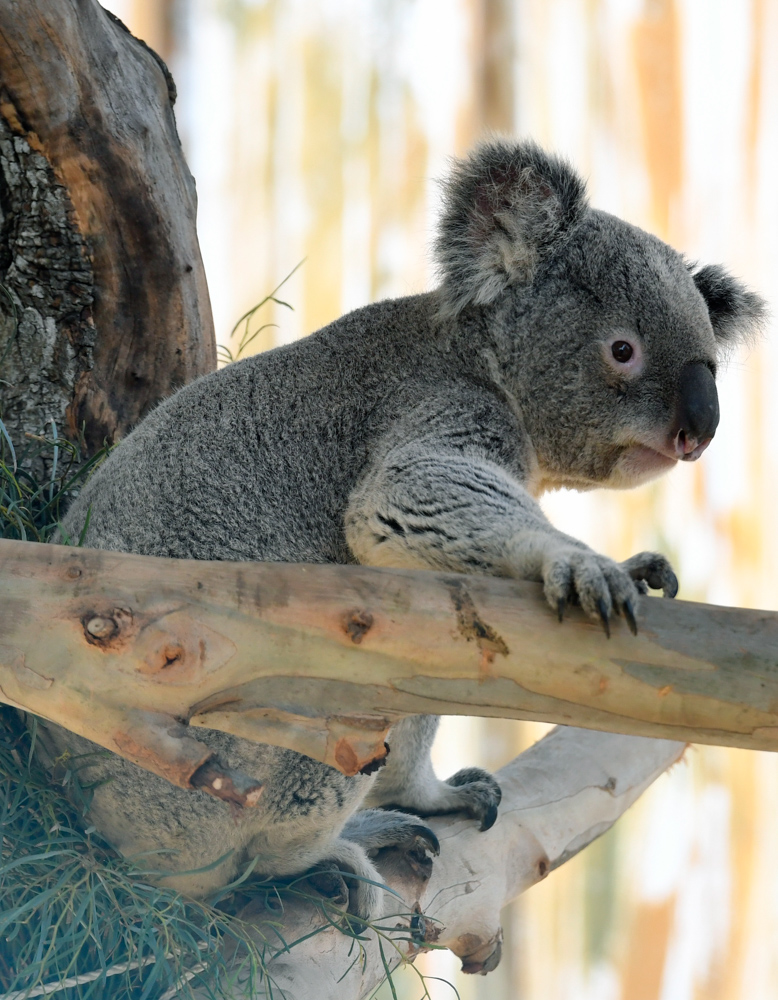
x,y
104,308
123,649
46,333
557,798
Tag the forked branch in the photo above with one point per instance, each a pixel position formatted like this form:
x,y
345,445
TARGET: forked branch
x,y
557,797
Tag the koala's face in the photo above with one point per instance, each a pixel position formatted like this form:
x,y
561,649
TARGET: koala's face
x,y
608,341
617,358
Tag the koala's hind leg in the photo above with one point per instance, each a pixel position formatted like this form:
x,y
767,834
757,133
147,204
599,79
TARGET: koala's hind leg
x,y
409,782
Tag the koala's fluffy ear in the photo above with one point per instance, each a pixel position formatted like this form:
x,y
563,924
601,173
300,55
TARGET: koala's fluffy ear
x,y
736,313
506,207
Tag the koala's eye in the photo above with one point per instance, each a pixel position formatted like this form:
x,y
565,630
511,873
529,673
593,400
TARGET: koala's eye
x,y
623,355
622,351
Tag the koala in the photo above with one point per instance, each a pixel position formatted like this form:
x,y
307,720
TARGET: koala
x,y
563,347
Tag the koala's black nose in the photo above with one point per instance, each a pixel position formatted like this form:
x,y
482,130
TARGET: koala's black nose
x,y
697,413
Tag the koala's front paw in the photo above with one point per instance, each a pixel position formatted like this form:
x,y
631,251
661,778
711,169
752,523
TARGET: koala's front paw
x,y
478,794
602,586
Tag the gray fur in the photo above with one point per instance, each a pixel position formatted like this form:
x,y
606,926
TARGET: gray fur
x,y
506,208
417,432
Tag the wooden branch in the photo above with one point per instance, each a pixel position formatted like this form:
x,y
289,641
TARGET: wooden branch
x,y
126,650
104,250
557,797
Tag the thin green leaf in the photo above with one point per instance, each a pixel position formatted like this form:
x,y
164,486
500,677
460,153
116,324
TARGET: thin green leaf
x,y
387,970
245,343
85,529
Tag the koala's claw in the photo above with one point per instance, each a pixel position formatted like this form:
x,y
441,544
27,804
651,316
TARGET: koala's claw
x,y
561,604
417,842
417,853
490,816
422,839
604,617
629,614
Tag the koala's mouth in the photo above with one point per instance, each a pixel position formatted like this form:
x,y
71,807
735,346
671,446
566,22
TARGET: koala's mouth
x,y
638,464
641,459
642,462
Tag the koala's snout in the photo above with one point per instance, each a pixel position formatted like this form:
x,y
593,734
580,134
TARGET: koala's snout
x,y
697,414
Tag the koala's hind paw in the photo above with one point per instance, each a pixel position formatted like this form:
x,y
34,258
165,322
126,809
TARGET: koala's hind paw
x,y
478,794
654,570
328,881
348,880
376,829
471,790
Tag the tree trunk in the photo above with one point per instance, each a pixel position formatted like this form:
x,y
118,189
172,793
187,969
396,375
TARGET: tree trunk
x,y
104,307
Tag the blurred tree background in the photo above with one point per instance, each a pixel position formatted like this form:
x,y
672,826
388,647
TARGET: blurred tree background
x,y
316,130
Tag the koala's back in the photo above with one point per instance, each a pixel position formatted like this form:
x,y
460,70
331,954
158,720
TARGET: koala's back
x,y
256,461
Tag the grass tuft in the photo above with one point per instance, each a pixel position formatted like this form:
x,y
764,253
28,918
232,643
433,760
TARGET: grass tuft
x,y
39,479
75,915
79,921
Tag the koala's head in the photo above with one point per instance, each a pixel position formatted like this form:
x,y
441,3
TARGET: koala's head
x,y
606,336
